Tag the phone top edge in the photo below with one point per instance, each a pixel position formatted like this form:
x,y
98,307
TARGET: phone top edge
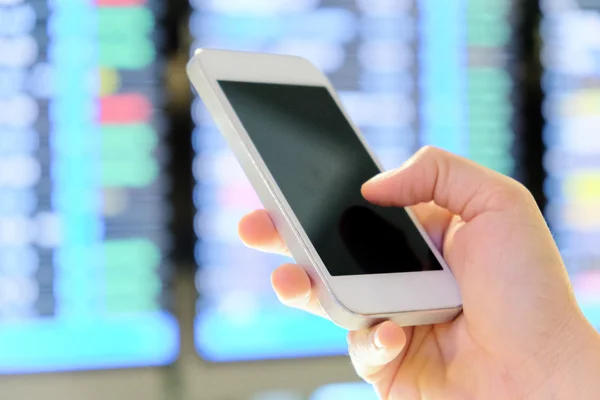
x,y
201,53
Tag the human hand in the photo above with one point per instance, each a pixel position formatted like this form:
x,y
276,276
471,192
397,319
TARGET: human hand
x,y
521,334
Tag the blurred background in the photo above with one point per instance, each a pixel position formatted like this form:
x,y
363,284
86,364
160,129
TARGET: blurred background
x,y
121,275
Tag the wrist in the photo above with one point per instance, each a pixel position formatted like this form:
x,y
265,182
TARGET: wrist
x,y
576,374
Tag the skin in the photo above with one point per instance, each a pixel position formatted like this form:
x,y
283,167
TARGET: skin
x,y
521,334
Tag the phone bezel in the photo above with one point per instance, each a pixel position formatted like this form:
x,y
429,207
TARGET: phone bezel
x,y
367,295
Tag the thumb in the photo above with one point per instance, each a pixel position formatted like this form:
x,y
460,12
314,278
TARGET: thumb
x,y
452,182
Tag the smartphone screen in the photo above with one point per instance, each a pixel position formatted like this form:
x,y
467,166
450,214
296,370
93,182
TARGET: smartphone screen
x,y
320,165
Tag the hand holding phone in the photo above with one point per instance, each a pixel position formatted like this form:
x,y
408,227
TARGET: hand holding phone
x,y
307,161
521,334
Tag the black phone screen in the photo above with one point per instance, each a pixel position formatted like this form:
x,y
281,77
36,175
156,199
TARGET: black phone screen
x,y
319,164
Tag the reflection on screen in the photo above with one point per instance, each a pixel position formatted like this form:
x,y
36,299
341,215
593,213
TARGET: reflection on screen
x,y
572,136
82,194
408,72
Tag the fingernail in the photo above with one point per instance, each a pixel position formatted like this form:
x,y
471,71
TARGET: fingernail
x,y
377,340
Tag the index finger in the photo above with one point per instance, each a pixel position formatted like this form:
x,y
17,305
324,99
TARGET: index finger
x,y
257,230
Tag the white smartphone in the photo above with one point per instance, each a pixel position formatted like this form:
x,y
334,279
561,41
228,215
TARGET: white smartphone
x,y
307,162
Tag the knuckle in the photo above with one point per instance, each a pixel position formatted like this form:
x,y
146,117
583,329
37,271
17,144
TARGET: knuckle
x,y
508,195
432,158
524,192
518,192
428,151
